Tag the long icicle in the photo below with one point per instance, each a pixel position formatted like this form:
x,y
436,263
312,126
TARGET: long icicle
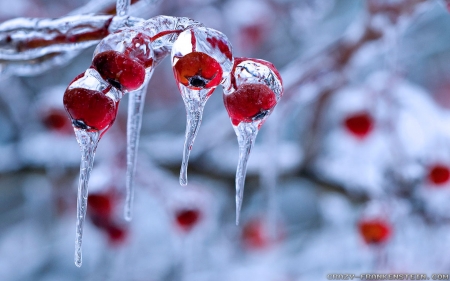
x,y
136,102
88,143
194,113
246,135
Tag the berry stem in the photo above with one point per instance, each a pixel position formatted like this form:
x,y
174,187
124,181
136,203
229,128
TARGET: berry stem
x,y
246,135
136,103
88,143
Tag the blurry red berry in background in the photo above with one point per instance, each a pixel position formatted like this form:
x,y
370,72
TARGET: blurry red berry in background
x,y
119,70
374,231
438,174
89,108
255,235
100,211
100,205
56,120
197,70
186,219
117,234
252,36
359,124
249,102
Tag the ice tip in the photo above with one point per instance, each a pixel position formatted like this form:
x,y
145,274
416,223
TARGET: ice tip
x,y
78,262
183,180
238,209
127,215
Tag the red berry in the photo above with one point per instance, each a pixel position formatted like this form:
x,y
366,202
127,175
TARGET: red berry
x,y
100,205
89,109
187,218
249,102
197,70
56,120
119,70
374,231
359,124
116,233
439,174
254,235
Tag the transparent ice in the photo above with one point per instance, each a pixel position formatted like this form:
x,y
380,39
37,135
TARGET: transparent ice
x,y
250,71
88,143
163,31
136,102
200,39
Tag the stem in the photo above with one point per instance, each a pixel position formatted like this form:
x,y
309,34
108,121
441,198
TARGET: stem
x,y
135,108
88,143
246,135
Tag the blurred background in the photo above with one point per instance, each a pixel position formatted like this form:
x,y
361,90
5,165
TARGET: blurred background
x,y
350,174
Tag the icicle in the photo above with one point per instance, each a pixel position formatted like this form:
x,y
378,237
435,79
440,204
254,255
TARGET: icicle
x,y
88,143
135,108
200,57
246,135
194,113
122,7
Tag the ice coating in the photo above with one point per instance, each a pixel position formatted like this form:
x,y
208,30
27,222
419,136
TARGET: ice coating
x,y
123,58
25,38
250,95
131,42
200,57
91,103
163,31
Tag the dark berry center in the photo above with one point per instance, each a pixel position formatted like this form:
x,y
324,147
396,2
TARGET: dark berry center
x,y
79,124
198,81
260,115
115,84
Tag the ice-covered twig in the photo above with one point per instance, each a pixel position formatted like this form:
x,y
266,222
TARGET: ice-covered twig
x,y
36,66
29,38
